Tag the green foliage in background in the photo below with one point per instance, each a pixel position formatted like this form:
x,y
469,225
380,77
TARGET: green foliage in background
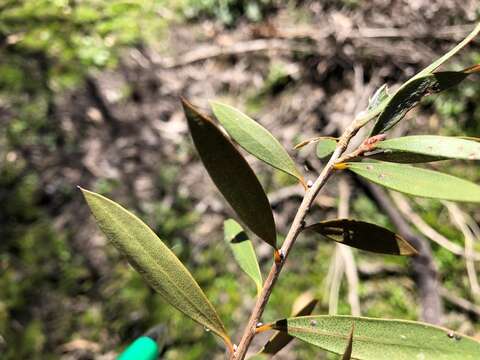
x,y
51,46
228,11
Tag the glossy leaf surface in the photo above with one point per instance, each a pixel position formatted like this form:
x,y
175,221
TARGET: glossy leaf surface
x,y
363,235
325,147
231,174
417,181
243,251
410,94
155,262
379,339
254,138
303,305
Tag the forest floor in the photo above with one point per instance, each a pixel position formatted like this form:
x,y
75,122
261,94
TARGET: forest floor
x,y
303,71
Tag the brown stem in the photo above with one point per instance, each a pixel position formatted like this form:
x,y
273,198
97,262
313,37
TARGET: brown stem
x,y
295,229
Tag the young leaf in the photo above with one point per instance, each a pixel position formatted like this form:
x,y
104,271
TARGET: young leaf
x,y
378,97
433,66
313,141
302,306
376,105
425,148
255,139
379,339
243,251
347,354
160,268
417,181
363,235
325,147
231,174
410,94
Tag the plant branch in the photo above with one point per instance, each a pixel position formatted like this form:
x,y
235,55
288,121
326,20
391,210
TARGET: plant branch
x,y
295,229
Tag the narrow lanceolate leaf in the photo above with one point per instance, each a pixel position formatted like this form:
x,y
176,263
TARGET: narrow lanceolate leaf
x,y
424,148
302,306
255,139
231,174
160,268
325,147
379,339
347,354
433,66
417,181
410,94
243,251
313,141
363,235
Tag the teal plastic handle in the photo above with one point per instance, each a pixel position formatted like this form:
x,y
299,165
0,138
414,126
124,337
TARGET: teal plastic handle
x,y
144,348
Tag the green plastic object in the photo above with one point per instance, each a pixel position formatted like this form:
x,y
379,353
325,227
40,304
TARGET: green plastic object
x,y
144,348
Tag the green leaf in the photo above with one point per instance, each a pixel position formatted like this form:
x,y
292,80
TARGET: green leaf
x,y
379,339
243,251
417,181
433,66
347,354
410,94
325,147
231,174
401,157
419,148
160,268
302,306
255,139
363,235
376,105
379,97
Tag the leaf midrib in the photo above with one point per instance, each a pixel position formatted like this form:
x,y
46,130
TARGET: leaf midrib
x,y
366,339
180,290
284,160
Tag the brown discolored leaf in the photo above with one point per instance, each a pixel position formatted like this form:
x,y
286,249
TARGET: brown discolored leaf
x,y
410,94
363,235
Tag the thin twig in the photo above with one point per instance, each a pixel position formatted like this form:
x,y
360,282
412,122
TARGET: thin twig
x,y
346,252
338,267
295,229
423,265
460,302
402,204
459,220
294,191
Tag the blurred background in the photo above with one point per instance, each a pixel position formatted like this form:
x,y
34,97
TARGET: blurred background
x,y
89,95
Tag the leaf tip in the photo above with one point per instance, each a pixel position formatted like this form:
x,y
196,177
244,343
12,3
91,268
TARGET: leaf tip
x,y
406,248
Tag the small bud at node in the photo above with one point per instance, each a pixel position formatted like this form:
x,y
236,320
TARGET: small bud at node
x,y
309,184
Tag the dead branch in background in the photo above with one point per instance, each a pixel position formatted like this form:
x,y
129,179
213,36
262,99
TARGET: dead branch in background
x,y
458,218
402,204
423,267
